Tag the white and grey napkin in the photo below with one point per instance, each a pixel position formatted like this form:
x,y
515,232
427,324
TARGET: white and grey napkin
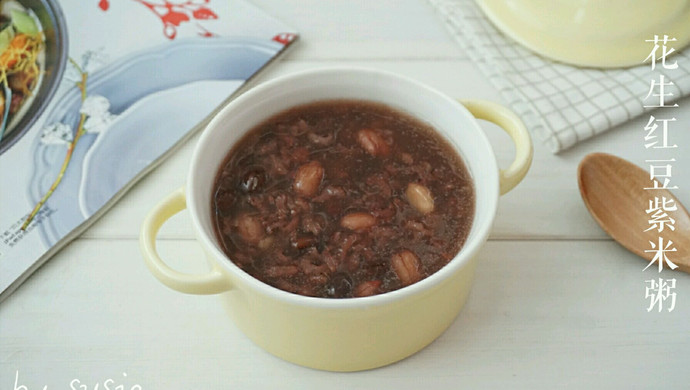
x,y
562,105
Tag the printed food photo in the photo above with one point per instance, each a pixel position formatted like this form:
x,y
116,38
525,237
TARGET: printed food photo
x,y
33,47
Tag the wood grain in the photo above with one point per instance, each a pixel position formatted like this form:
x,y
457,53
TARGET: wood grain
x,y
621,197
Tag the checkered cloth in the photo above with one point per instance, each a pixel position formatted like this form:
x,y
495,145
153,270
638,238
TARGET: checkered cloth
x,y
561,104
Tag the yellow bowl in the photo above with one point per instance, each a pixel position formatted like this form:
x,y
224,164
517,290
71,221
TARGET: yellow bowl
x,y
340,334
604,34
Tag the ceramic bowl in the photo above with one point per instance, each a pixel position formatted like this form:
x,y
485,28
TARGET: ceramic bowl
x,y
352,333
602,34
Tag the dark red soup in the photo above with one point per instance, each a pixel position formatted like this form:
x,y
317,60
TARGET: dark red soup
x,y
341,199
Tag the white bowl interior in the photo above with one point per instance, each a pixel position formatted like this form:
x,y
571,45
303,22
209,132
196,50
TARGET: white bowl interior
x,y
447,116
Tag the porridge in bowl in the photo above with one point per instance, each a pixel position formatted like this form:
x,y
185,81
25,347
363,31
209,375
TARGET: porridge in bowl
x,y
341,199
314,199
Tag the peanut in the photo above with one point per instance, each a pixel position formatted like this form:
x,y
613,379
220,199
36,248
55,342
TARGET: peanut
x,y
420,198
358,221
308,179
265,242
372,142
405,264
250,229
367,288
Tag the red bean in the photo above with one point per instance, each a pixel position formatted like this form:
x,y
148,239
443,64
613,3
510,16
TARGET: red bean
x,y
339,286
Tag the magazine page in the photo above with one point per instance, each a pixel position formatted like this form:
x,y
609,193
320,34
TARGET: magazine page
x,y
98,92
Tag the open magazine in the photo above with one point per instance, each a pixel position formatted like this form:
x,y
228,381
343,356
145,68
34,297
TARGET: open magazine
x,y
96,92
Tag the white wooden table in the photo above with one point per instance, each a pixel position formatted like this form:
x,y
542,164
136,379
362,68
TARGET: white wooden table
x,y
556,303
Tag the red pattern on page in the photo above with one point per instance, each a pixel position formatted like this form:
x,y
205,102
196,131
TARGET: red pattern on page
x,y
173,13
284,38
204,32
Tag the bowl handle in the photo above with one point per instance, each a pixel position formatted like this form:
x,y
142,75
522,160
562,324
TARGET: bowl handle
x,y
511,124
213,282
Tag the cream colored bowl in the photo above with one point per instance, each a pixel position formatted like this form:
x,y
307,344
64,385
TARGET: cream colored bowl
x,y
340,334
592,33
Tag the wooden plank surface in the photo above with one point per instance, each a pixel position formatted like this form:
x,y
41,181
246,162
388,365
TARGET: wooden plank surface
x,y
556,303
542,314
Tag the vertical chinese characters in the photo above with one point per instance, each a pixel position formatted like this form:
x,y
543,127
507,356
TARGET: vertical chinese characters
x,y
657,141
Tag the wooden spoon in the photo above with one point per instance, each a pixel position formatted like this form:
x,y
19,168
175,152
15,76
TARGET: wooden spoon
x,y
613,191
